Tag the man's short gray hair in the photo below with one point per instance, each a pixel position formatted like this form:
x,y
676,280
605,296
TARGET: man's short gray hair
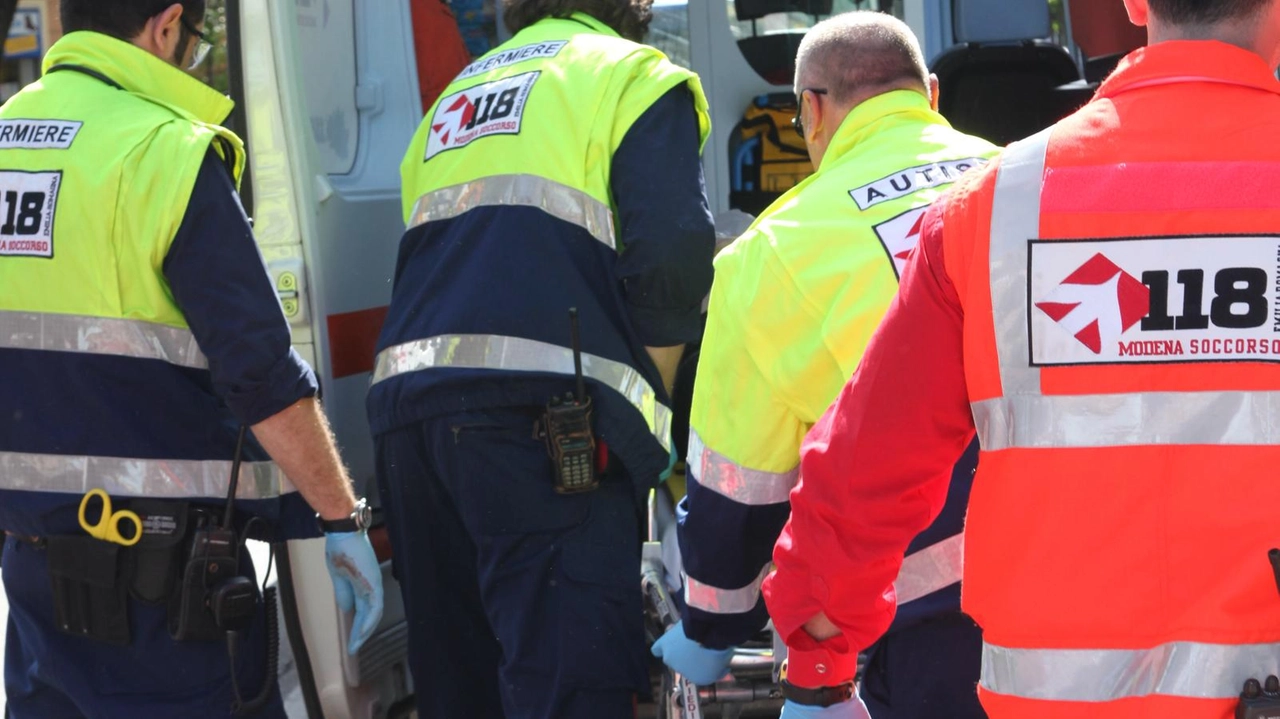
x,y
856,52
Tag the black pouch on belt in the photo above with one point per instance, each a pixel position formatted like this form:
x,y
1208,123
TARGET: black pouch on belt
x,y
157,557
90,588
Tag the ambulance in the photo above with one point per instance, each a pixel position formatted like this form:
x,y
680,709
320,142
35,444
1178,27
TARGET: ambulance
x,y
328,95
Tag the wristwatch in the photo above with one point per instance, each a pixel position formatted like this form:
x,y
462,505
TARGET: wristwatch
x,y
360,520
820,697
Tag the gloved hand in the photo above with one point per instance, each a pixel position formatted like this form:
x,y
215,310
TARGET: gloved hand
x,y
357,582
697,663
852,709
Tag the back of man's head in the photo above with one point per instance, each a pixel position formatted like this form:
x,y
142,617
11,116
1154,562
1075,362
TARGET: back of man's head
x,y
628,18
1204,12
856,55
122,19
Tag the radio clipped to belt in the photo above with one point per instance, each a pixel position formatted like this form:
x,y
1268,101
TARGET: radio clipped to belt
x,y
566,428
167,553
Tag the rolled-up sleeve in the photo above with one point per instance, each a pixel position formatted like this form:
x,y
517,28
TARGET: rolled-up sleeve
x,y
666,233
221,284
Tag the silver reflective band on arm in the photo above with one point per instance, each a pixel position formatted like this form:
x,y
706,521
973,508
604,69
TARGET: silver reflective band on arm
x,y
724,601
517,354
123,477
560,201
744,486
99,335
1125,420
1178,669
935,567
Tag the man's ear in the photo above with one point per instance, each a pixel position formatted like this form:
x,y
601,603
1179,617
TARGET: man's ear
x,y
933,91
162,33
1139,12
816,116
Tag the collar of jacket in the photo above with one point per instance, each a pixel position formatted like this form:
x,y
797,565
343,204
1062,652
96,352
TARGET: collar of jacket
x,y
1182,61
141,73
873,116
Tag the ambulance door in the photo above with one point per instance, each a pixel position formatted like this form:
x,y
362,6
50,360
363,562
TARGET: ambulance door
x,y
330,103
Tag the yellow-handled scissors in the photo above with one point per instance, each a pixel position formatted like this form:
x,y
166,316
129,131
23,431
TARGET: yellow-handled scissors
x,y
107,528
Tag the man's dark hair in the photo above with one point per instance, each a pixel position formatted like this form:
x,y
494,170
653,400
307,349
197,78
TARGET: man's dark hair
x,y
122,19
629,18
1203,12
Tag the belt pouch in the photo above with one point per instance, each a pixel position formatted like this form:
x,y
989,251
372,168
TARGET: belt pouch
x,y
158,555
90,595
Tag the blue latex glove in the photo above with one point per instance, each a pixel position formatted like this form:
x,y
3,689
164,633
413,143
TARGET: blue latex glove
x,y
357,582
697,663
852,709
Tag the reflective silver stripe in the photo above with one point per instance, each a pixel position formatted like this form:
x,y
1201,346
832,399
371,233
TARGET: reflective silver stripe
x,y
1015,219
560,201
935,567
1179,669
123,477
1119,420
724,601
100,335
744,486
518,354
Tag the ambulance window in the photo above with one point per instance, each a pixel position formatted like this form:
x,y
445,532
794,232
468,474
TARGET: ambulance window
x,y
327,64
222,70
669,31
769,31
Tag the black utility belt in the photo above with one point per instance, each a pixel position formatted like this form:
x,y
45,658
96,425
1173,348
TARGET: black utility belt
x,y
93,580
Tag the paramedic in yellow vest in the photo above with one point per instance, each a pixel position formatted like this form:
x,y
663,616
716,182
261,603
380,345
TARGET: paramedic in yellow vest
x,y
560,170
795,300
139,336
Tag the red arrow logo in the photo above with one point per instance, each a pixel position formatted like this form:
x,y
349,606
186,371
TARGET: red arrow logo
x,y
1097,303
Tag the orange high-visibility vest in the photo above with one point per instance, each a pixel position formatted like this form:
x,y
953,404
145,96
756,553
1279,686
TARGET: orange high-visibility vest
x,y
1119,280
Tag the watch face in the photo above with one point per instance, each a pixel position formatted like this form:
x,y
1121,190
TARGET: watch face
x,y
363,515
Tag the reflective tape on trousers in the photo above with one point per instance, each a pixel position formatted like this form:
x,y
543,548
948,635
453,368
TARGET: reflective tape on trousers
x,y
724,601
99,335
560,201
745,486
1119,420
1177,669
933,568
517,354
123,477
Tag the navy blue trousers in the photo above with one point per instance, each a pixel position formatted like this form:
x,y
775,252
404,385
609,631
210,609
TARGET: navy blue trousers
x,y
926,671
51,675
522,603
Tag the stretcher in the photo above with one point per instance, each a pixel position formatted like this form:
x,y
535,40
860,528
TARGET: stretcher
x,y
752,679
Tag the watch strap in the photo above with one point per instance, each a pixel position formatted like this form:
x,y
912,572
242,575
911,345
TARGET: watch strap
x,y
820,697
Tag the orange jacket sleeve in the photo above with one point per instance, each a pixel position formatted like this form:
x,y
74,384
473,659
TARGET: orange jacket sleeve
x,y
874,473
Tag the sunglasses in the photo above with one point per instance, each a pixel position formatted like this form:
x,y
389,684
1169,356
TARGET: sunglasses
x,y
795,121
203,46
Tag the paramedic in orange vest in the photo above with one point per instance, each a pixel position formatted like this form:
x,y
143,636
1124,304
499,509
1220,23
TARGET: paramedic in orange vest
x,y
1100,304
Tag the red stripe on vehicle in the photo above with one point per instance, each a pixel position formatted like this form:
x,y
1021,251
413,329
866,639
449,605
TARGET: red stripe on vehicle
x,y
353,337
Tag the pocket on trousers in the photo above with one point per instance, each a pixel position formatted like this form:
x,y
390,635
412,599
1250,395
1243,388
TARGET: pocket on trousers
x,y
503,481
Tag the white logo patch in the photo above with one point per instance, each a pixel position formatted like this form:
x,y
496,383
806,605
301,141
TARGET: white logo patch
x,y
493,108
912,179
510,57
38,134
28,201
1168,299
900,235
